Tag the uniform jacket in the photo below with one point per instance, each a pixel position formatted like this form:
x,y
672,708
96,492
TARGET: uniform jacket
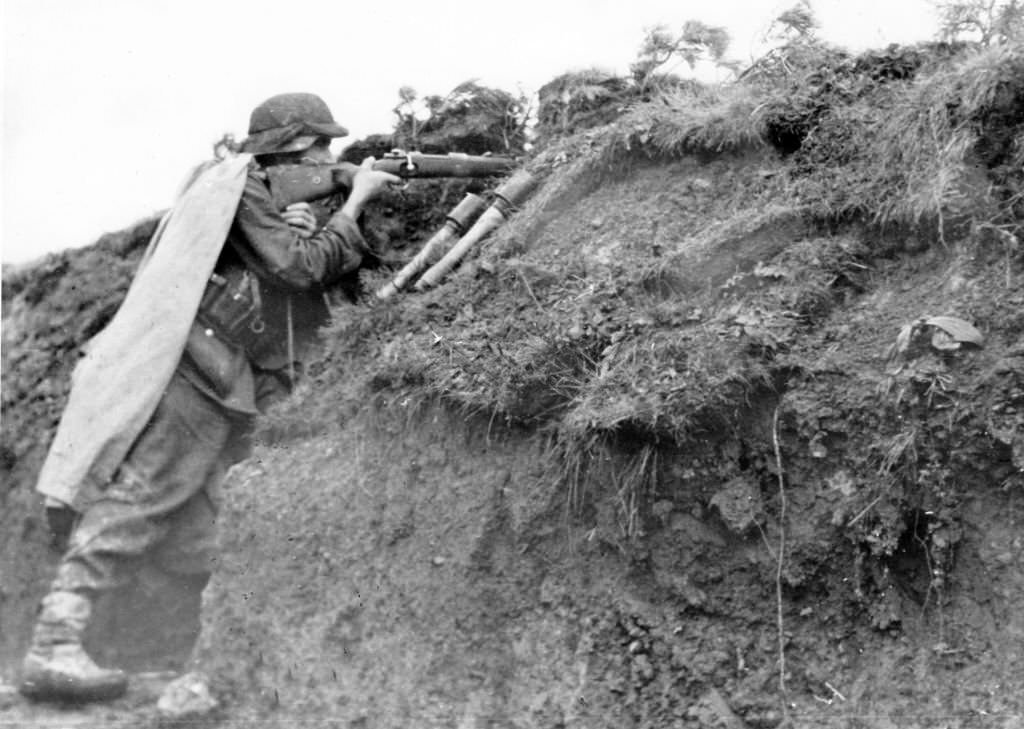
x,y
127,366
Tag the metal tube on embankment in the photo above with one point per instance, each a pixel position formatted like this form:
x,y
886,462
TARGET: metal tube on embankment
x,y
456,223
506,199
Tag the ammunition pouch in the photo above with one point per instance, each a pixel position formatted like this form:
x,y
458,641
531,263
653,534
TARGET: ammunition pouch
x,y
217,361
229,320
233,310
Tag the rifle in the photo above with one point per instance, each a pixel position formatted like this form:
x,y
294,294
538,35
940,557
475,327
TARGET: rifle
x,y
303,183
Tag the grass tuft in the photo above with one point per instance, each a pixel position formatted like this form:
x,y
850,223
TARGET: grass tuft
x,y
698,120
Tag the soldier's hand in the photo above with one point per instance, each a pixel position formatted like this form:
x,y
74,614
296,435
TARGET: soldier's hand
x,y
367,184
300,216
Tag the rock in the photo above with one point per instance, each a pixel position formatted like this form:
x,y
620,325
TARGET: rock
x,y
644,668
187,697
739,504
681,587
713,711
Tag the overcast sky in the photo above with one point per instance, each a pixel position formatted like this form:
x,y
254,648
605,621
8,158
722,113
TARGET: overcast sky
x,y
107,103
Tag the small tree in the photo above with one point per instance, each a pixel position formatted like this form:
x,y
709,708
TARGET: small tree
x,y
407,125
696,42
796,24
985,21
794,36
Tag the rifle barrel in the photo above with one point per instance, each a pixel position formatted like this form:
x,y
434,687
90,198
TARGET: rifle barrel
x,y
416,165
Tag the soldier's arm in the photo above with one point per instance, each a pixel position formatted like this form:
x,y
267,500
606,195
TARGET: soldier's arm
x,y
282,255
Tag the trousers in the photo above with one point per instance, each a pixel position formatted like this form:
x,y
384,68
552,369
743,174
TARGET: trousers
x,y
162,503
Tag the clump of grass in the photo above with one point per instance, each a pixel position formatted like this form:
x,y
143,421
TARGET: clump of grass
x,y
918,152
629,469
702,119
779,100
581,100
902,136
927,142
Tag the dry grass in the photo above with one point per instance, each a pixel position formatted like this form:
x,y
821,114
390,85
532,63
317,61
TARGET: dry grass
x,y
711,119
915,153
927,143
900,137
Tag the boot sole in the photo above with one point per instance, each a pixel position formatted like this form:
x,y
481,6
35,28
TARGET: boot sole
x,y
49,690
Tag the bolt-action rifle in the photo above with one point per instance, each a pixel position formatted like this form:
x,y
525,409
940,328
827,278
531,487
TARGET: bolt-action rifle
x,y
303,183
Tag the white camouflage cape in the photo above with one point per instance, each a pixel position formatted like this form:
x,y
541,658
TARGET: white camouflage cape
x,y
117,385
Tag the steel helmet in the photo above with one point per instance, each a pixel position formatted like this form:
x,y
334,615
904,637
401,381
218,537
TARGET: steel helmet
x,y
290,123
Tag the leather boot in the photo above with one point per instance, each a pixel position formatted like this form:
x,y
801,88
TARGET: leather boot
x,y
56,667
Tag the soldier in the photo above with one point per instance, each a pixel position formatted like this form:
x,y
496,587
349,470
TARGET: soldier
x,y
221,312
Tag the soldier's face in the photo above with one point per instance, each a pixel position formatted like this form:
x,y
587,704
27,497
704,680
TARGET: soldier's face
x,y
319,153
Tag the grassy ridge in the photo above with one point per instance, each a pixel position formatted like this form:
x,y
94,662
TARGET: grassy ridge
x,y
669,329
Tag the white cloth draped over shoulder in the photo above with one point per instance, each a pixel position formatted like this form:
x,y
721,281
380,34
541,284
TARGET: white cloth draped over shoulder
x,y
116,386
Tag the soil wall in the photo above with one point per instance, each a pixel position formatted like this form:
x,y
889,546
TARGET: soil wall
x,y
423,572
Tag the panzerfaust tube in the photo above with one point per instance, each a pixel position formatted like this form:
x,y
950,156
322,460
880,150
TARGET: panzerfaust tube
x,y
457,222
506,199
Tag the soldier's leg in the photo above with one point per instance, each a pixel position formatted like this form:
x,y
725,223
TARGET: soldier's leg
x,y
174,458
188,544
152,623
184,559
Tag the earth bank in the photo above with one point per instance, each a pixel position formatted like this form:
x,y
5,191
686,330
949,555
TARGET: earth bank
x,y
484,588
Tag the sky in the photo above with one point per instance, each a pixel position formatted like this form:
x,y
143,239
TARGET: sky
x,y
107,103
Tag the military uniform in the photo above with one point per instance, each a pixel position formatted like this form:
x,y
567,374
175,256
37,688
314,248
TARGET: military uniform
x,y
163,499
258,314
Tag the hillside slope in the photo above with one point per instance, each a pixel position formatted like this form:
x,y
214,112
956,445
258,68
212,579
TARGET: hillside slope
x,y
683,446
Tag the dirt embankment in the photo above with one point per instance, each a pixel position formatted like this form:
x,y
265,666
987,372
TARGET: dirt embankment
x,y
466,591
